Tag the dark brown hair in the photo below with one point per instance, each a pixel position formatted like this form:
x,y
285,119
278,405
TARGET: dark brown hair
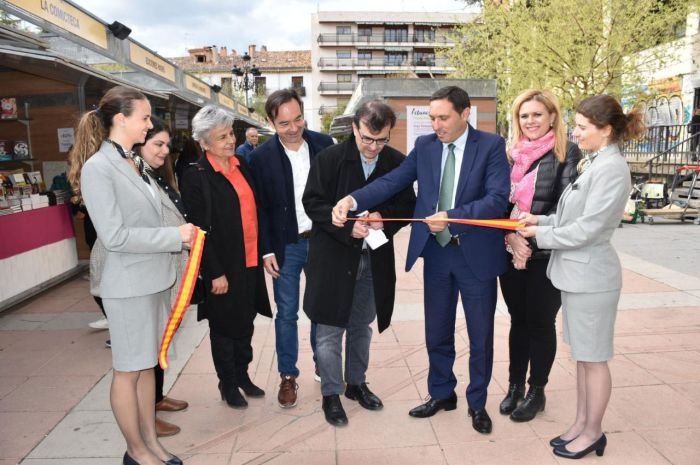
x,y
279,98
603,110
458,97
93,128
376,115
166,171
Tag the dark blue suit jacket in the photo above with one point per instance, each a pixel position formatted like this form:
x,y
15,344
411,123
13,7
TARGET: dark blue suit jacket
x,y
244,151
482,192
275,186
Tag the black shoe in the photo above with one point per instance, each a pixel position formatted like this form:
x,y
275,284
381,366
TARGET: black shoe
x,y
250,389
598,447
433,406
232,396
516,393
558,441
481,421
175,460
333,410
533,404
362,394
128,460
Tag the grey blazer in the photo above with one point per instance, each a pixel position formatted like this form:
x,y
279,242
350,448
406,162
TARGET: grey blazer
x,y
588,212
128,219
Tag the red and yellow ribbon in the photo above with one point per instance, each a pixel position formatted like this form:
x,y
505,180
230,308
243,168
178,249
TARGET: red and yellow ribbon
x,y
498,223
189,279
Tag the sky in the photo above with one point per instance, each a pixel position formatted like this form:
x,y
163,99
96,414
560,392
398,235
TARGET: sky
x,y
170,28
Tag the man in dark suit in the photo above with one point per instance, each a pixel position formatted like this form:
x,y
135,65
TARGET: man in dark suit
x,y
348,283
461,173
280,168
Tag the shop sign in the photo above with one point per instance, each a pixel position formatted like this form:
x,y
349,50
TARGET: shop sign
x,y
418,123
66,16
145,59
197,86
226,101
242,110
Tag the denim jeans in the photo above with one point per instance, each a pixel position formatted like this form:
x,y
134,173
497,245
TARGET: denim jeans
x,y
286,290
357,339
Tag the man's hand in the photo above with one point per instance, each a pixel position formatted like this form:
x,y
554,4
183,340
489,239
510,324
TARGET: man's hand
x,y
271,267
219,285
360,230
375,224
340,211
437,226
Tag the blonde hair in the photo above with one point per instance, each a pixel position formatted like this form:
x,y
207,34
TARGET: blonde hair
x,y
93,128
551,103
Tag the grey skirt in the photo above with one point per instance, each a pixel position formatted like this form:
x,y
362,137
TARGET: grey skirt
x,y
589,324
136,326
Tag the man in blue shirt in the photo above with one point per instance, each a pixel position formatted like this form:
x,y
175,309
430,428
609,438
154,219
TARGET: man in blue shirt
x,y
251,141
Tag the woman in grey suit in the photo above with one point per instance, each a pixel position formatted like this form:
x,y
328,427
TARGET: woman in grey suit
x,y
138,270
583,264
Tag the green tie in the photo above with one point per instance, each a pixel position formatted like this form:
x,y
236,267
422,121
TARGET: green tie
x,y
446,191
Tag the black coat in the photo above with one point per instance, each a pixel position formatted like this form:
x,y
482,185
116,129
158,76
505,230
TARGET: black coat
x,y
275,183
230,314
334,255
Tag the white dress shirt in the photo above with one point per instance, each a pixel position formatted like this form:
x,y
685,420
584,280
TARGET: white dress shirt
x,y
301,164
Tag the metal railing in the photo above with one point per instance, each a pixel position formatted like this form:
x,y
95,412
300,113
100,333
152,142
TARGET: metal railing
x,y
376,39
351,63
685,152
337,86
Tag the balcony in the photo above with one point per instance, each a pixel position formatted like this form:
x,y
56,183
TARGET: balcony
x,y
328,64
337,88
417,39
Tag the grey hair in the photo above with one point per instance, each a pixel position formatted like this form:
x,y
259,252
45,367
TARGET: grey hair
x,y
208,118
251,129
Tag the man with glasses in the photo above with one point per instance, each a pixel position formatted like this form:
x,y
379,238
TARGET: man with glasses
x,y
348,283
462,173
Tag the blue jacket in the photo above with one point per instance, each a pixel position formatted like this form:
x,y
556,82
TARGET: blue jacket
x,y
482,192
244,150
272,172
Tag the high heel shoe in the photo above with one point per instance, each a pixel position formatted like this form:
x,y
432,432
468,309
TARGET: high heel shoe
x,y
233,397
128,460
558,441
598,447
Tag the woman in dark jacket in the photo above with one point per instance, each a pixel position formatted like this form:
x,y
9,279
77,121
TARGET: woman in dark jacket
x,y
544,163
220,199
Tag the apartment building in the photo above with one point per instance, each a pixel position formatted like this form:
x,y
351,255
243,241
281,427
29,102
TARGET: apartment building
x,y
277,69
348,46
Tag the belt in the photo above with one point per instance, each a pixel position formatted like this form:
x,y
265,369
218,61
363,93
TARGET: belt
x,y
305,234
454,240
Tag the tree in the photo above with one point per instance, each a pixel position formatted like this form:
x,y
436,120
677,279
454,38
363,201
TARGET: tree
x,y
576,48
327,117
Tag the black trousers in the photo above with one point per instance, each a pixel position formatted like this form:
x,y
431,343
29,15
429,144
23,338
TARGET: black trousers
x,y
533,303
231,357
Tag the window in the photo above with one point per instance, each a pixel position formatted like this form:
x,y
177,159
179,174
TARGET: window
x,y
201,58
260,85
364,55
396,35
424,58
343,54
297,81
343,30
364,31
425,35
344,78
395,58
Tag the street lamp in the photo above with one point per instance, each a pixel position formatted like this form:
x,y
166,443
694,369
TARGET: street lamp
x,y
245,77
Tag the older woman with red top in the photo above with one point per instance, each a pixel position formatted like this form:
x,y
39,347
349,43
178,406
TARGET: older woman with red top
x,y
220,198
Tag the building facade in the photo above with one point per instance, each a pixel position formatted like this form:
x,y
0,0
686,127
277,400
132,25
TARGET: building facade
x,y
278,69
348,46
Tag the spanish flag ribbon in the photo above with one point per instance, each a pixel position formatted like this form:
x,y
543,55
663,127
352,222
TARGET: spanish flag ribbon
x,y
498,223
189,279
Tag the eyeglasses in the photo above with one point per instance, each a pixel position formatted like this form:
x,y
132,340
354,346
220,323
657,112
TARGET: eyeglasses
x,y
369,141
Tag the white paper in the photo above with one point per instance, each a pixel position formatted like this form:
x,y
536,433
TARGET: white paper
x,y
66,139
376,238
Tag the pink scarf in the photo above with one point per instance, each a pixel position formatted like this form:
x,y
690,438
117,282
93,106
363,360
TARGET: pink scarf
x,y
524,154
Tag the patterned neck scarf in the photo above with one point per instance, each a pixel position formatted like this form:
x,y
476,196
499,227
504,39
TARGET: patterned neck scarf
x,y
142,167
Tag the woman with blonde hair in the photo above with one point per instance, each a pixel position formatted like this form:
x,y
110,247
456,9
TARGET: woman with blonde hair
x,y
137,268
583,264
543,164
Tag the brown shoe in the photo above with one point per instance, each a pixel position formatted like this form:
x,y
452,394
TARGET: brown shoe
x,y
163,428
168,404
287,396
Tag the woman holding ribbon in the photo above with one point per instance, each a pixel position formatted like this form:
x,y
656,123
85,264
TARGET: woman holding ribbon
x,y
138,269
583,264
543,164
220,198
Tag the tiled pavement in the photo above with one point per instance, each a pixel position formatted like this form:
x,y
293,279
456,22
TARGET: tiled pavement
x,y
55,374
